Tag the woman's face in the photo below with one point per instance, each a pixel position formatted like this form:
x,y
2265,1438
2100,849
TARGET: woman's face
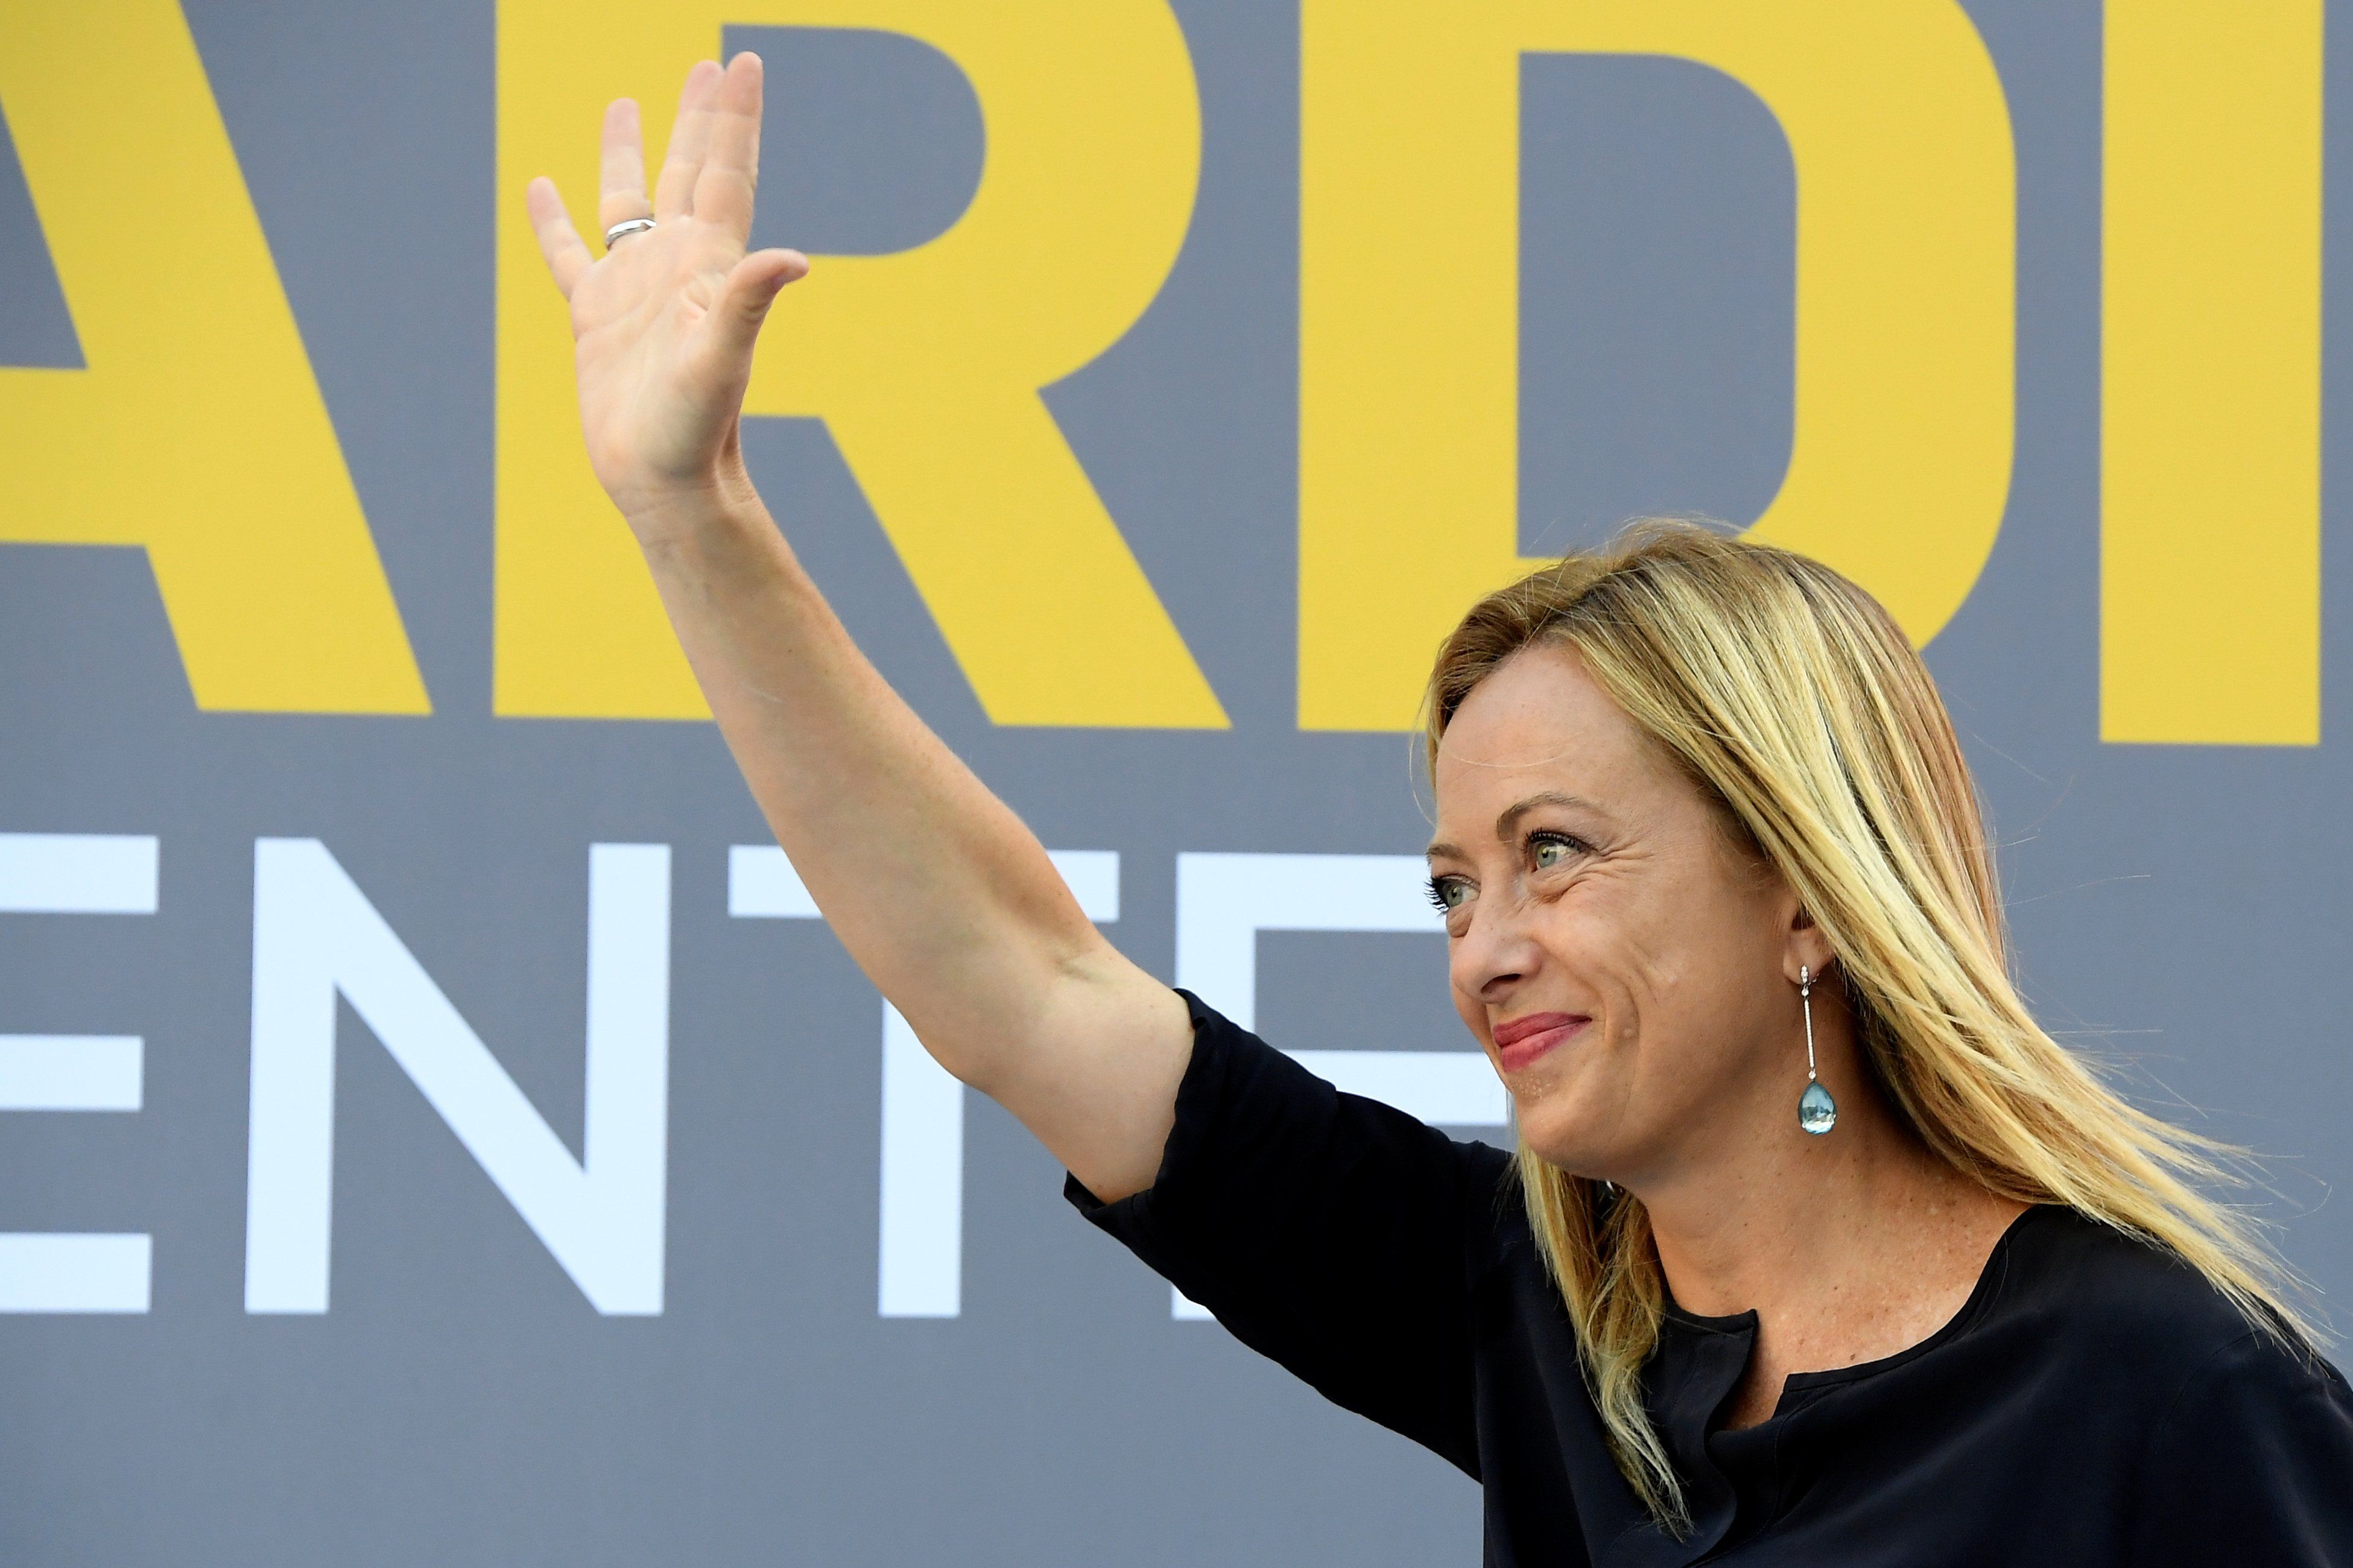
x,y
1625,962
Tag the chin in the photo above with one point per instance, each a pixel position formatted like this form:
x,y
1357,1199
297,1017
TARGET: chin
x,y
1563,1133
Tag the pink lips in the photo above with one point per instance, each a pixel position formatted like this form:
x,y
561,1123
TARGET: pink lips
x,y
1519,1043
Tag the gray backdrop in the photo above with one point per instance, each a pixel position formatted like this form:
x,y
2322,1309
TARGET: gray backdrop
x,y
462,1402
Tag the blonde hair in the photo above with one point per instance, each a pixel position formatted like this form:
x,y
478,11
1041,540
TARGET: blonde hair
x,y
1793,699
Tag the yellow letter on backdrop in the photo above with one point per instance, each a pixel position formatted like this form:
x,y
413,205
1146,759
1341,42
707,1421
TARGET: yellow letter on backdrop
x,y
196,431
2209,472
925,364
1408,306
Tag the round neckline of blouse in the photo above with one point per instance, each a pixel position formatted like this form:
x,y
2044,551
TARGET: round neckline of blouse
x,y
1964,1318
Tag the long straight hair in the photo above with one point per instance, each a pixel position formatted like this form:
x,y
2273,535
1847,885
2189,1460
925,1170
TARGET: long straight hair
x,y
1793,699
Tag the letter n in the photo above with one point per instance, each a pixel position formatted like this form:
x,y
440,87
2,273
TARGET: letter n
x,y
316,936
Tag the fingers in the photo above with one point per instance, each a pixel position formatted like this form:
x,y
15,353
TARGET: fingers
x,y
622,180
731,166
690,136
559,242
751,287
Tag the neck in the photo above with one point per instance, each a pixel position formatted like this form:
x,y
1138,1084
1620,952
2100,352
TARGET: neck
x,y
1801,1229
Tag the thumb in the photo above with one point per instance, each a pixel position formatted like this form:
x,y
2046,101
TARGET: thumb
x,y
751,287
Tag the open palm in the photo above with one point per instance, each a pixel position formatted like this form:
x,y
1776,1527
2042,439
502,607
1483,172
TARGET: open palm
x,y
664,324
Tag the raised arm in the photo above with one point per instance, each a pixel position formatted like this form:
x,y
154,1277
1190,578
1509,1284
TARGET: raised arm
x,y
941,894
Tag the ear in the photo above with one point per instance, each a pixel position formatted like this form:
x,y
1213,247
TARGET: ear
x,y
1804,949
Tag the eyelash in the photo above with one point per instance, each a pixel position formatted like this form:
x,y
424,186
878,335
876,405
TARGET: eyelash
x,y
1568,841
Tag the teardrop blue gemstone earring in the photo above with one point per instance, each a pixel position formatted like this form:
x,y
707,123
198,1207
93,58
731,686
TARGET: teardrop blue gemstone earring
x,y
1817,1111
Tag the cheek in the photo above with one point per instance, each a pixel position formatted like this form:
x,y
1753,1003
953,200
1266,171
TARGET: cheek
x,y
1598,942
1663,950
1654,987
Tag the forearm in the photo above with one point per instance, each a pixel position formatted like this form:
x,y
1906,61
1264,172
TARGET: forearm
x,y
938,890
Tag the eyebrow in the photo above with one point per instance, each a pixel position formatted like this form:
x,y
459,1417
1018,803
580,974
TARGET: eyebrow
x,y
1508,821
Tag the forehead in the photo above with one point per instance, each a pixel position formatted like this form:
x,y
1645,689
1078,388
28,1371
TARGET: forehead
x,y
1540,722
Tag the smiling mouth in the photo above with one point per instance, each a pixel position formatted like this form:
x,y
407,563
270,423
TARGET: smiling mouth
x,y
1521,1042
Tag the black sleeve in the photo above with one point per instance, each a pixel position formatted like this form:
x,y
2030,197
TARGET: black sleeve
x,y
1335,1234
2254,1463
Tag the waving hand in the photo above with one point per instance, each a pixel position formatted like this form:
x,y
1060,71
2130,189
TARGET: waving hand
x,y
665,322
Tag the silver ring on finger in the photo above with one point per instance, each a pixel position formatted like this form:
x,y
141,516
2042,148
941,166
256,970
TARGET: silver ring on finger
x,y
627,227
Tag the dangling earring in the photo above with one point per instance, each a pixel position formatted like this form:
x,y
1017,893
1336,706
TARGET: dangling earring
x,y
1817,1111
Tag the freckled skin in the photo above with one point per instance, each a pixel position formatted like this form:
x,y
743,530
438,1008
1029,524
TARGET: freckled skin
x,y
1633,904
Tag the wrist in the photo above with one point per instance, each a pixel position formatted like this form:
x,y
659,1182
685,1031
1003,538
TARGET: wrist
x,y
670,508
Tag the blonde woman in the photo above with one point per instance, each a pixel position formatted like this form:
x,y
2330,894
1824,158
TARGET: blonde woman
x,y
1816,1249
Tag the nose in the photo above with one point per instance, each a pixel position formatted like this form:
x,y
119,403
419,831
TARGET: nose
x,y
1496,955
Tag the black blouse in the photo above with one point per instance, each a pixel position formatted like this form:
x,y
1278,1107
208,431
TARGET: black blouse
x,y
2096,1402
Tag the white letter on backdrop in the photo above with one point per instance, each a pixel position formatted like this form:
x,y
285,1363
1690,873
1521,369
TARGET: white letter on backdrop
x,y
921,1270
315,935
64,874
